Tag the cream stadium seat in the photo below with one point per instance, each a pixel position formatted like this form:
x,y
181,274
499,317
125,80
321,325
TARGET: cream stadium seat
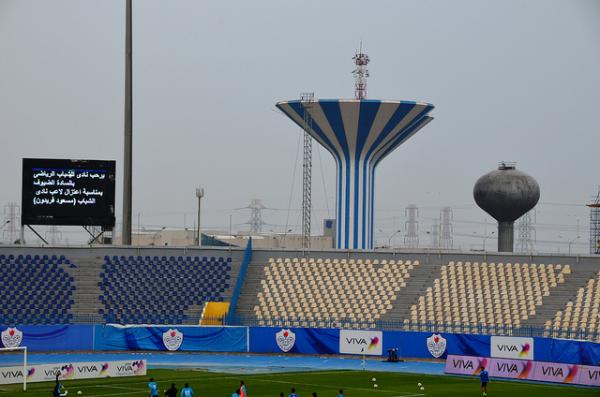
x,y
370,288
462,287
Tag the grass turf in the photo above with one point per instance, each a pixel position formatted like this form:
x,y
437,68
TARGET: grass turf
x,y
326,384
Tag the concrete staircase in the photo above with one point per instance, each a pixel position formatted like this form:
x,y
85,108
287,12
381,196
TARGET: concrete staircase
x,y
421,277
87,276
247,300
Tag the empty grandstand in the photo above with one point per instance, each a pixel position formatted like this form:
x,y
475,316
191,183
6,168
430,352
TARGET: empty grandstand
x,y
35,289
160,290
580,315
484,293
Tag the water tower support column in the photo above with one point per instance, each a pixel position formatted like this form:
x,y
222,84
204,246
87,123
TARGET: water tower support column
x,y
505,236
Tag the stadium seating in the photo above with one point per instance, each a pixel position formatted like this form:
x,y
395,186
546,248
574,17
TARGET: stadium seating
x,y
158,290
582,315
35,289
332,290
484,294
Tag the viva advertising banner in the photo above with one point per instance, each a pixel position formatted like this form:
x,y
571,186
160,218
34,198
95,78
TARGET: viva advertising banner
x,y
69,371
511,347
465,365
361,342
525,369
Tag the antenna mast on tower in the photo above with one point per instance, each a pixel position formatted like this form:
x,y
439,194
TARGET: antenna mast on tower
x,y
361,60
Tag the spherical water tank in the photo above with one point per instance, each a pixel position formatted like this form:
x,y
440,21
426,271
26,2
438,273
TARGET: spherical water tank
x,y
506,194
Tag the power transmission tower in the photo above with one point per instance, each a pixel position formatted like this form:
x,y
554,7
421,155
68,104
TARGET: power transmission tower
x,y
411,237
12,219
526,233
256,222
435,234
307,99
446,240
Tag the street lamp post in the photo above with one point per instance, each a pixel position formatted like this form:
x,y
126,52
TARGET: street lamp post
x,y
199,194
390,236
571,242
484,238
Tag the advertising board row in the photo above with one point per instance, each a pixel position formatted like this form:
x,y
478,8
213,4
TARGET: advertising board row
x,y
112,337
73,370
524,369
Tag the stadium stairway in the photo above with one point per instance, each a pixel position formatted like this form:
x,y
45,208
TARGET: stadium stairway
x,y
86,275
247,298
559,297
421,277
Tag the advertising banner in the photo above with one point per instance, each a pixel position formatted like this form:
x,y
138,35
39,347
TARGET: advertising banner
x,y
512,347
465,365
508,368
361,342
69,371
556,372
524,369
589,376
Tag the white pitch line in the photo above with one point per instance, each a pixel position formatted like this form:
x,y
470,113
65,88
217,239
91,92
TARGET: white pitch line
x,y
116,387
346,387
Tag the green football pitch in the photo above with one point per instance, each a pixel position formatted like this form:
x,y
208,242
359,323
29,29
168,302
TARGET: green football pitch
x,y
325,384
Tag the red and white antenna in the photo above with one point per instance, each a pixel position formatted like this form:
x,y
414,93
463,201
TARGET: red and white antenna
x,y
360,74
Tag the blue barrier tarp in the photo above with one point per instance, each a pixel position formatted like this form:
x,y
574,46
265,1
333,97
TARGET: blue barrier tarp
x,y
194,338
306,340
56,337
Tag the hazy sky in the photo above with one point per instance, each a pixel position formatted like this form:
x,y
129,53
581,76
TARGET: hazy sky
x,y
511,80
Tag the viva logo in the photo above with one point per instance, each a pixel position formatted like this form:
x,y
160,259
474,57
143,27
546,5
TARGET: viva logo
x,y
104,369
374,343
525,350
67,371
483,363
138,367
572,372
30,372
526,370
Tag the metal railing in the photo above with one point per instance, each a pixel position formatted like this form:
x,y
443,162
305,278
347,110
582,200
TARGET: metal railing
x,y
457,328
303,322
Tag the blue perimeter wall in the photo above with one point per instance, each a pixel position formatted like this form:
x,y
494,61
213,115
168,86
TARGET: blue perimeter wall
x,y
262,340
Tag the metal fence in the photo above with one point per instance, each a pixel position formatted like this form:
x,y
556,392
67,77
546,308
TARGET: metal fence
x,y
457,328
303,322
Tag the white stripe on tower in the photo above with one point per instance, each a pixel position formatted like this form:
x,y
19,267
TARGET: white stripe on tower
x,y
350,114
384,114
321,120
406,120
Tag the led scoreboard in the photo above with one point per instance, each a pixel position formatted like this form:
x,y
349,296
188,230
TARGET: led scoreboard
x,y
68,192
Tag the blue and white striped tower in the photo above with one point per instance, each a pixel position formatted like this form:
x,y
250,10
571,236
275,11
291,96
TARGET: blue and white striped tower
x,y
359,134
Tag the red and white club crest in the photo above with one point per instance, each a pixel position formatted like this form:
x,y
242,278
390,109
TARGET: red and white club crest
x,y
11,337
436,344
285,339
172,339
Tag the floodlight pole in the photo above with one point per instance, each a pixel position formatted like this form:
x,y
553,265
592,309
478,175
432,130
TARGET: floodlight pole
x,y
199,194
127,163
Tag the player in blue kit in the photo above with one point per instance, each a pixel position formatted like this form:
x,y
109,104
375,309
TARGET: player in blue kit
x,y
153,387
187,391
484,378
